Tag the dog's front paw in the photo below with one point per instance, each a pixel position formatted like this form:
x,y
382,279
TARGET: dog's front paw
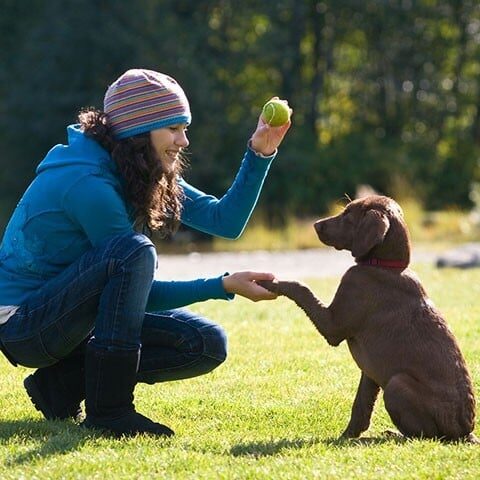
x,y
271,285
348,434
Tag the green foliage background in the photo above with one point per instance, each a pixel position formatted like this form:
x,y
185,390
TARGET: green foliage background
x,y
385,92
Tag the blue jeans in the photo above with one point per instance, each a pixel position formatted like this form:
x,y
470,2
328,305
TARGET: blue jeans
x,y
101,298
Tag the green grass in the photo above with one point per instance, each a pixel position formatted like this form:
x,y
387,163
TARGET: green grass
x,y
272,411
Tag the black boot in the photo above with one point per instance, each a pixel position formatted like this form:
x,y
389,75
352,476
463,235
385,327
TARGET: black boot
x,y
56,391
110,380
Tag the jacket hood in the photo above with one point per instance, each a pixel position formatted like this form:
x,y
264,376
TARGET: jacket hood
x,y
80,150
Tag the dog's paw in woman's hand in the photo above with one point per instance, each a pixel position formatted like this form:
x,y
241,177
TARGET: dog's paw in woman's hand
x,y
271,285
288,288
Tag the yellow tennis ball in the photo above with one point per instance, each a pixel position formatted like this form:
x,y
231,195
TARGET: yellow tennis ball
x,y
276,113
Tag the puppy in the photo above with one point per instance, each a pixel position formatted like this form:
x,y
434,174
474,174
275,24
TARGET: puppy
x,y
397,337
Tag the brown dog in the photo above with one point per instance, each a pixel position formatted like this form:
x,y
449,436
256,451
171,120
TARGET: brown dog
x,y
396,336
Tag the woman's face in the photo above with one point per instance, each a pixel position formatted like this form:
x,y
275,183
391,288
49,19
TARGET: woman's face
x,y
167,143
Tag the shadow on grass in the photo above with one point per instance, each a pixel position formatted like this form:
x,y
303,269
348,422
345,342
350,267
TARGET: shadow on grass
x,y
47,438
365,441
265,449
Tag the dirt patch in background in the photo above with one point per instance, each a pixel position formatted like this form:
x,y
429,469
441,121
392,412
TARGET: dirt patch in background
x,y
297,264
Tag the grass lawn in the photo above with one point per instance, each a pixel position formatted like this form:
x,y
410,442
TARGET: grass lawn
x,y
272,411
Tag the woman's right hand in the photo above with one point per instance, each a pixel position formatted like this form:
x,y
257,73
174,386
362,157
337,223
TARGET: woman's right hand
x,y
244,284
266,139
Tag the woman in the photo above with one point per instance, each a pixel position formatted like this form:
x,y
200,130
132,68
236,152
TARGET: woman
x,y
78,298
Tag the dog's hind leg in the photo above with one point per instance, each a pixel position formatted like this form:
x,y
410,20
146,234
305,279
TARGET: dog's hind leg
x,y
362,407
410,407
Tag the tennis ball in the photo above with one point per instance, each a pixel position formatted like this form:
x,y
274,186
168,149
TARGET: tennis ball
x,y
276,113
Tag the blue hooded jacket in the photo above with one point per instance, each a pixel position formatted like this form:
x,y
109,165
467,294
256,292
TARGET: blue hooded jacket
x,y
76,201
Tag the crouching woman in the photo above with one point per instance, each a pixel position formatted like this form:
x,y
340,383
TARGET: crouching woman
x,y
78,297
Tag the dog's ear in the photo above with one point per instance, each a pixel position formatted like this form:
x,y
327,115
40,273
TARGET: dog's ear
x,y
370,233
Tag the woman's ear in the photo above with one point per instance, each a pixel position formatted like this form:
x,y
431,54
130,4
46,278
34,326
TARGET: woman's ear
x,y
370,233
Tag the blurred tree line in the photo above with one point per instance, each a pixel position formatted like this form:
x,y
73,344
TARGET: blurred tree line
x,y
385,92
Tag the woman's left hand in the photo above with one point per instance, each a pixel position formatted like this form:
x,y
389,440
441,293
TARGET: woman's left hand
x,y
244,284
266,139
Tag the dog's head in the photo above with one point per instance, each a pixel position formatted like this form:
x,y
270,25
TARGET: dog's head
x,y
370,225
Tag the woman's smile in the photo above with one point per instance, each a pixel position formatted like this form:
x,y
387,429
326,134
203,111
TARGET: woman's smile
x,y
168,142
173,154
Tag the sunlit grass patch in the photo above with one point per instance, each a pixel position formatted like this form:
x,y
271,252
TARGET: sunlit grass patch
x,y
274,410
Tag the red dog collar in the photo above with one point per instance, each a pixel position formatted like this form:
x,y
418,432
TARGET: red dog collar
x,y
378,262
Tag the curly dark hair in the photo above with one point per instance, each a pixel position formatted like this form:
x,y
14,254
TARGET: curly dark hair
x,y
154,194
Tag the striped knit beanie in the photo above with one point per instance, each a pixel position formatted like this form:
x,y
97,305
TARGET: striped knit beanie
x,y
143,100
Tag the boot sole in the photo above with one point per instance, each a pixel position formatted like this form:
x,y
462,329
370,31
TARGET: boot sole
x,y
106,430
37,398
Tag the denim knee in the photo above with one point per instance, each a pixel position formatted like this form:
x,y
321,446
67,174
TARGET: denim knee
x,y
132,249
123,247
199,360
214,342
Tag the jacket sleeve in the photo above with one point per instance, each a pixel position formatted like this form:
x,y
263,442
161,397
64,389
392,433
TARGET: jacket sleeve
x,y
227,216
98,209
166,295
